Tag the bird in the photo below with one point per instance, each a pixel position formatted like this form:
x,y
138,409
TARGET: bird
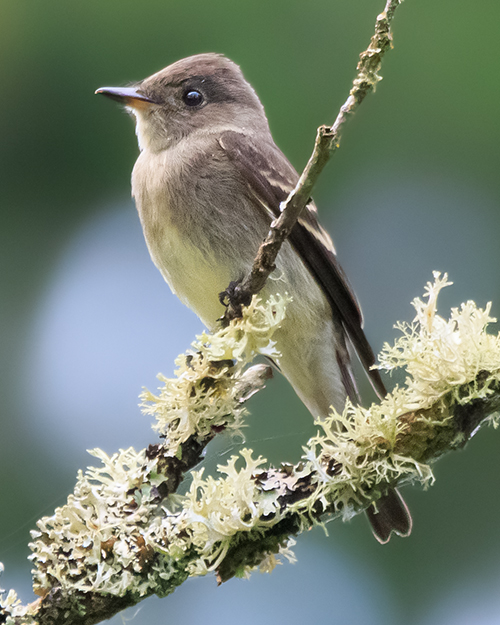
x,y
207,183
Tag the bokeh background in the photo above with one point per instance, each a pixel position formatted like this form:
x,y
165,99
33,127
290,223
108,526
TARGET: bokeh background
x,y
86,320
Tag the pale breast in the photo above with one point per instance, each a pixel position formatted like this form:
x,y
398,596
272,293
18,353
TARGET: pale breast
x,y
189,268
203,230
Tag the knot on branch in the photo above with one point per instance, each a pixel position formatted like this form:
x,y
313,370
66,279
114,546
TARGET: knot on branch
x,y
234,298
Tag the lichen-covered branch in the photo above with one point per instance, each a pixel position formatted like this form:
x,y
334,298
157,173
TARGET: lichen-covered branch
x,y
327,141
125,534
94,556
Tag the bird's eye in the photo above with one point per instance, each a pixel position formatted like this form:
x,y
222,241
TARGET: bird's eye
x,y
192,97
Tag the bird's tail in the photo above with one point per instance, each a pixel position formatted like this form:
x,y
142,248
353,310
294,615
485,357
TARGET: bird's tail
x,y
389,514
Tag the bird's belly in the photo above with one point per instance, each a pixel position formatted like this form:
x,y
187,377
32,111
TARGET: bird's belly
x,y
308,337
200,248
194,276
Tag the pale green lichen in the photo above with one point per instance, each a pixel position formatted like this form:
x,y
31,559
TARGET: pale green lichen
x,y
95,543
355,454
440,358
104,539
12,607
207,391
117,535
354,457
215,510
440,355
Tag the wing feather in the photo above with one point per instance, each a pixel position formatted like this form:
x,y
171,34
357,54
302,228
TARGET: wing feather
x,y
270,178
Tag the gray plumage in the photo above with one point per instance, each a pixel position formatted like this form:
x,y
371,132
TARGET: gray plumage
x,y
207,183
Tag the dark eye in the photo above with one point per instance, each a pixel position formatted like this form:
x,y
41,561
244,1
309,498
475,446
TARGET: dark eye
x,y
192,98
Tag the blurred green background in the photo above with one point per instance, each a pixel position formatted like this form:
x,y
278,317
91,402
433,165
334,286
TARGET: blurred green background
x,y
86,321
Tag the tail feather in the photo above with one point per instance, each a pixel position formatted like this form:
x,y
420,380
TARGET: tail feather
x,y
390,514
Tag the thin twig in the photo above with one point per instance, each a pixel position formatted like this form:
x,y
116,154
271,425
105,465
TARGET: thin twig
x,y
327,142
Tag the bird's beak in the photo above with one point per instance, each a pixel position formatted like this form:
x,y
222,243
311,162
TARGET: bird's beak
x,y
129,96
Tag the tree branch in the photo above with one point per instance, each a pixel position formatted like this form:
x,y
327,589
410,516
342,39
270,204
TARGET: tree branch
x,y
327,142
122,536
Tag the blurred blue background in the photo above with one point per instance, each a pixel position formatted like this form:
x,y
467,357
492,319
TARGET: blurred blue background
x,y
86,320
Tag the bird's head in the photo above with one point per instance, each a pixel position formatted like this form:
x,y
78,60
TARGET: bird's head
x,y
201,93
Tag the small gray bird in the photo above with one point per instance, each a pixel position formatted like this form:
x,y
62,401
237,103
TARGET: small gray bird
x,y
208,181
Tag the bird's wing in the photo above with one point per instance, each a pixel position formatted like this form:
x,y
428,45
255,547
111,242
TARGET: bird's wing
x,y
270,178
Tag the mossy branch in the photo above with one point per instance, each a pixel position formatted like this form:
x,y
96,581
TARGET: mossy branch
x,y
124,534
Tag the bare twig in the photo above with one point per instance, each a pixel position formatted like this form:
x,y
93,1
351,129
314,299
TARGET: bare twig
x,y
327,142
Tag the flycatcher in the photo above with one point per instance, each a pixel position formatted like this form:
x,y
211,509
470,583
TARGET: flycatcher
x,y
208,181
